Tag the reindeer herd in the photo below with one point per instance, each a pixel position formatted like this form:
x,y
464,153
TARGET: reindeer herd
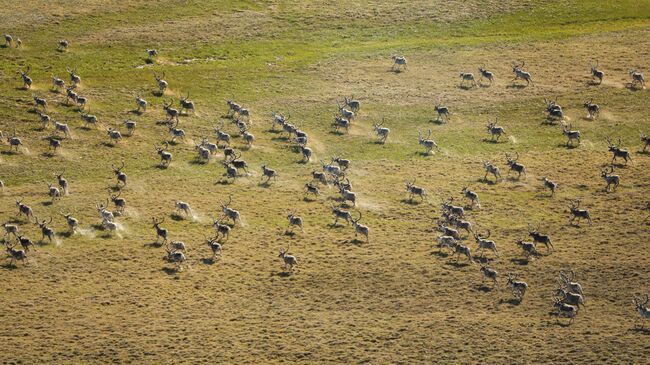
x,y
569,298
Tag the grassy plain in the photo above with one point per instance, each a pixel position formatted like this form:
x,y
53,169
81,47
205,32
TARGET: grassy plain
x,y
97,299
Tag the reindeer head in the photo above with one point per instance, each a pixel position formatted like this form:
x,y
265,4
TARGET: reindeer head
x,y
156,222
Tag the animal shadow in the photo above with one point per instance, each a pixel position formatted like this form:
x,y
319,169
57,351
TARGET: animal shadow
x,y
511,301
153,244
516,86
283,274
170,270
157,93
410,201
176,217
484,288
459,264
47,203
520,261
440,254
208,261
437,121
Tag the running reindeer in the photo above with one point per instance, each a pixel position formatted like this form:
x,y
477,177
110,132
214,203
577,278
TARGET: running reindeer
x,y
491,169
610,179
289,260
641,305
162,84
538,237
360,228
485,74
571,135
230,213
637,79
427,143
520,74
119,175
495,131
515,166
382,132
27,81
399,62
597,74
577,213
592,108
518,287
414,190
617,151
467,77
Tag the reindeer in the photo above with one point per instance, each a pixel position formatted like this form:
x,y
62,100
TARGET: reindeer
x,y
306,153
62,45
381,132
222,136
447,231
452,209
222,229
294,220
268,174
637,78
484,243
176,257
74,78
460,249
467,77
165,156
340,122
398,63
472,196
230,213
554,110
151,53
215,247
360,228
130,126
239,164
443,112
645,140
491,169
495,131
529,248
568,282
485,74
641,305
596,73
72,222
182,207
57,83
414,190
233,108
81,102
45,119
515,166
88,119
104,213
54,143
110,226
187,105
592,109
353,104
618,151
609,178
311,189
279,119
141,103
45,230
345,113
347,195
319,177
231,171
203,153
176,132
445,241
289,260
211,147
8,40
518,287
27,81
160,231
119,175
570,134
120,203
53,192
172,114
340,214
568,297
26,243
565,310
10,229
427,143
491,274
63,183
19,255
63,128
578,213
162,84
249,138
521,74
39,102
540,238
550,185
114,135
332,169
24,209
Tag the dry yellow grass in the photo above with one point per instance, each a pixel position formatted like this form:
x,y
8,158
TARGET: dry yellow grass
x,y
98,299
